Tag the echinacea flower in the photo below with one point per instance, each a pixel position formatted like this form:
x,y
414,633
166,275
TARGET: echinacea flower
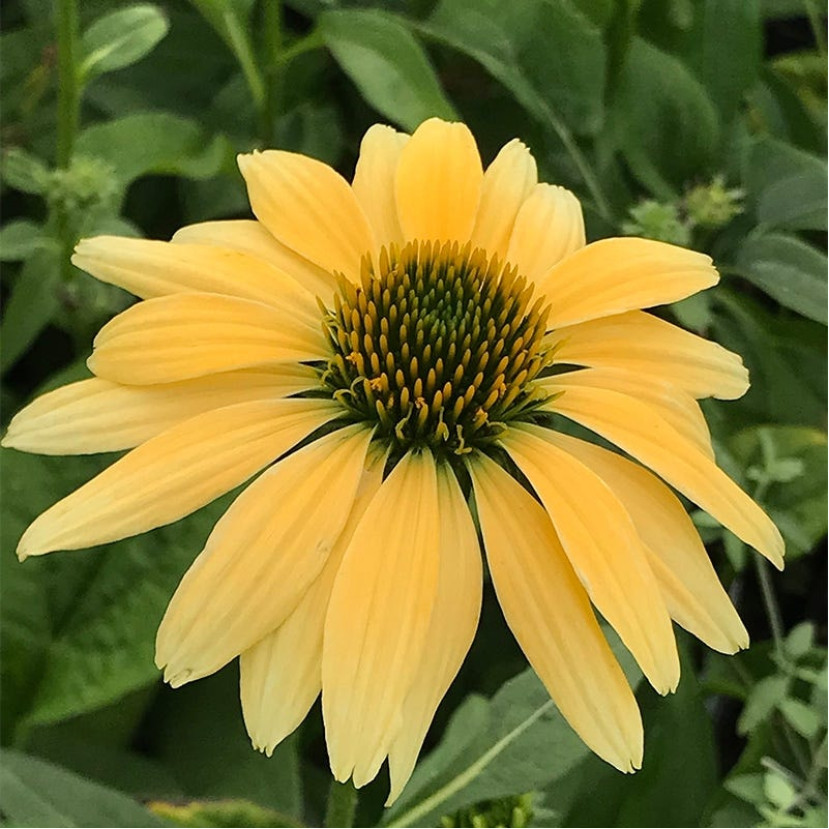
x,y
388,351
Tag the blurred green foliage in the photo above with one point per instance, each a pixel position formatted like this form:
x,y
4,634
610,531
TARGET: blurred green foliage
x,y
701,122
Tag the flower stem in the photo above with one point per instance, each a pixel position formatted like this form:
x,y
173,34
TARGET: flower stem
x,y
274,75
770,602
342,804
69,92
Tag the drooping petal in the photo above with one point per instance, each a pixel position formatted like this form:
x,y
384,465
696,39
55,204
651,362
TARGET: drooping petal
x,y
374,179
612,276
689,583
378,619
637,428
674,404
506,184
308,207
451,629
175,473
548,228
606,554
281,675
99,416
148,269
548,611
261,557
643,344
438,184
252,237
184,336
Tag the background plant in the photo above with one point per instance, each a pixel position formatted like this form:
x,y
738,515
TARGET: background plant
x,y
701,122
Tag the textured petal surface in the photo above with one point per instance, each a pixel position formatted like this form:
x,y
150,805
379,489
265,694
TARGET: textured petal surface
x,y
507,183
261,557
308,207
374,179
190,335
612,276
678,407
689,583
438,183
548,611
149,269
175,473
643,344
548,228
252,237
607,555
639,430
99,416
281,675
378,619
451,629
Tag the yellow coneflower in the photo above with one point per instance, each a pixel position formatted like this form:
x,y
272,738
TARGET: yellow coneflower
x,y
386,351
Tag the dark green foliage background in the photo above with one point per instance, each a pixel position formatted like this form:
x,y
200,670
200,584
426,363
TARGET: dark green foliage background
x,y
647,109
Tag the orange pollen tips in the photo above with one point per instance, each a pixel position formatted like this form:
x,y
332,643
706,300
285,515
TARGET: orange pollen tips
x,y
439,349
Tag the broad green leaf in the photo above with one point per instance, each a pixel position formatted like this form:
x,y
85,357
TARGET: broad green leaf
x,y
666,126
799,640
19,239
36,793
121,38
155,142
545,52
31,307
770,162
218,813
512,744
796,202
803,718
763,698
732,50
387,64
788,270
24,171
779,790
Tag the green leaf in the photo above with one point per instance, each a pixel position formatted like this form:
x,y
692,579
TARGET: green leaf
x,y
36,793
121,38
796,202
219,813
666,126
802,718
779,791
788,270
19,239
155,142
732,51
512,744
24,171
764,697
800,640
31,307
387,64
545,52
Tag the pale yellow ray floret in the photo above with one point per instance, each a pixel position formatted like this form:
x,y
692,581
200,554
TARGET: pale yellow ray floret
x,y
548,611
607,555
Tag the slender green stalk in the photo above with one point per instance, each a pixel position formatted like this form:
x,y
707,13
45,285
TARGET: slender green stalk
x,y
770,602
69,87
239,43
342,804
274,74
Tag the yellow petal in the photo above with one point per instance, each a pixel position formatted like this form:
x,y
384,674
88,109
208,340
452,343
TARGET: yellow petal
x,y
149,269
548,611
378,619
175,473
689,584
281,675
643,344
189,335
674,404
451,628
99,416
616,275
308,207
549,227
374,178
639,430
251,237
604,548
507,183
261,557
438,183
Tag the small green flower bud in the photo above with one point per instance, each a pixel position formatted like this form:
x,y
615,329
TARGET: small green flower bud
x,y
713,205
657,220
